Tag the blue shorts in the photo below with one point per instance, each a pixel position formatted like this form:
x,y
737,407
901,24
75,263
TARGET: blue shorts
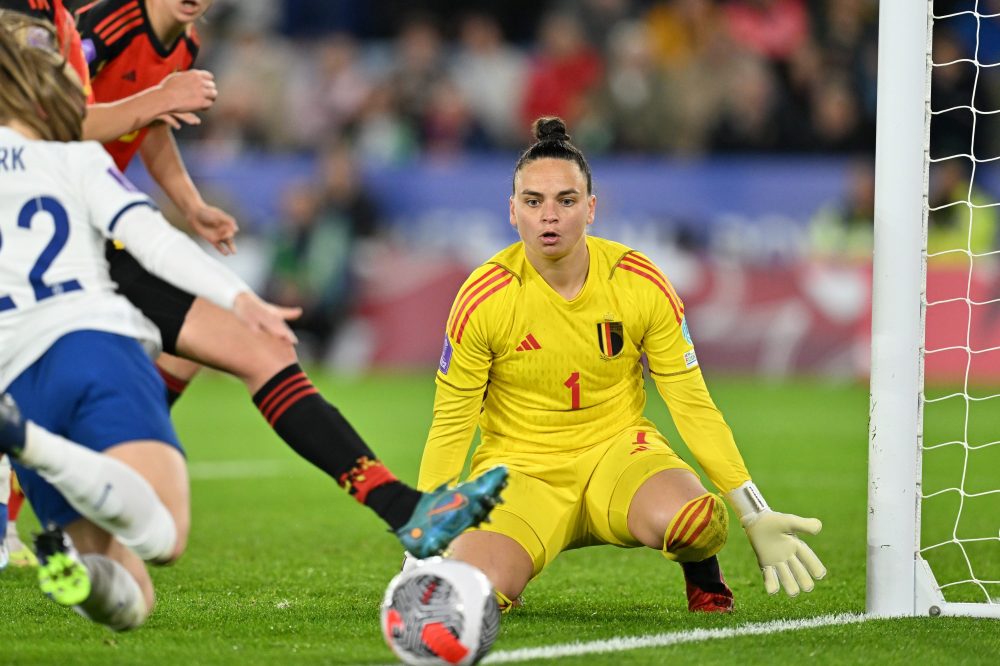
x,y
95,389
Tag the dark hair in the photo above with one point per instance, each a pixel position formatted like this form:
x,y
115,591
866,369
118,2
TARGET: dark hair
x,y
551,140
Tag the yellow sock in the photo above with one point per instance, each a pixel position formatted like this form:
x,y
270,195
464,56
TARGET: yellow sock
x,y
698,530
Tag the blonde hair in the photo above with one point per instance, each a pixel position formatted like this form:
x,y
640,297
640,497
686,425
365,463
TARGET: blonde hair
x,y
35,87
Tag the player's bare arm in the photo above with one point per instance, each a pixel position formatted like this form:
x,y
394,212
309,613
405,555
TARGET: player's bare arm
x,y
174,101
171,255
163,161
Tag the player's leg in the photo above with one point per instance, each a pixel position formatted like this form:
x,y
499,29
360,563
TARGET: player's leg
x,y
93,392
315,429
318,432
176,373
674,513
107,583
105,490
120,497
207,334
642,493
164,305
666,512
293,407
163,467
104,579
85,568
215,337
537,520
504,561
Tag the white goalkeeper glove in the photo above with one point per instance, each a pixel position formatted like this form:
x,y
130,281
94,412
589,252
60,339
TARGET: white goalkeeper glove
x,y
783,557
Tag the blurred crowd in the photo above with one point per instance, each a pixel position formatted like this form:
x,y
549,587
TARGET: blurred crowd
x,y
669,77
385,82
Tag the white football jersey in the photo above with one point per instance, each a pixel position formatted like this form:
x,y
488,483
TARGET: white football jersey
x,y
59,202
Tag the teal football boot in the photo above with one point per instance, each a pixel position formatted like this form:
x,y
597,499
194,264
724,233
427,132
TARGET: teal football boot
x,y
442,515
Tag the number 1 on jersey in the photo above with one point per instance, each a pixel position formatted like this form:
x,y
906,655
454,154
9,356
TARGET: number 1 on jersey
x,y
573,384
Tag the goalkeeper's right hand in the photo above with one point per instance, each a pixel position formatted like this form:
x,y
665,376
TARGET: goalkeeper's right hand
x,y
782,556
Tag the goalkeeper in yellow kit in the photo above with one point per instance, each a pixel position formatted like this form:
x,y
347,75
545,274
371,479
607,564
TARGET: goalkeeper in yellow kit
x,y
542,352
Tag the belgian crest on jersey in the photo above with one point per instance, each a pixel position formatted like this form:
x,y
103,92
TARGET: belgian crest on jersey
x,y
610,338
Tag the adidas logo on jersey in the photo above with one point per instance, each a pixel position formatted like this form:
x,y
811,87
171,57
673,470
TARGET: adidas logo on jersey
x,y
528,344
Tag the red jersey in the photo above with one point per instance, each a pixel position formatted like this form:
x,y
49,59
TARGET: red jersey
x,y
56,13
126,57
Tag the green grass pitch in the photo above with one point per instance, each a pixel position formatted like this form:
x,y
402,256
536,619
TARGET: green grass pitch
x,y
283,567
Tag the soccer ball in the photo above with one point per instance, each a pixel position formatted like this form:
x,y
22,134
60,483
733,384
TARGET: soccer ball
x,y
440,612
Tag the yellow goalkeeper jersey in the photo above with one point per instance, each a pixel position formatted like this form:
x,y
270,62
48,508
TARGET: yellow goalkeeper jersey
x,y
540,374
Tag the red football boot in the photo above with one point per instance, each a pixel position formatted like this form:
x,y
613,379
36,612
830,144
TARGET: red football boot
x,y
700,601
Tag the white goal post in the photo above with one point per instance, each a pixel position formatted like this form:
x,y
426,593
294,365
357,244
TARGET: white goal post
x,y
900,581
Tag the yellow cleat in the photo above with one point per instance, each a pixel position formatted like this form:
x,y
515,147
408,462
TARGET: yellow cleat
x,y
20,554
61,574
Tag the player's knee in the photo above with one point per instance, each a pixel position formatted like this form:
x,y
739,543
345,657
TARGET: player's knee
x,y
698,530
278,352
182,527
180,545
266,358
174,537
506,588
160,542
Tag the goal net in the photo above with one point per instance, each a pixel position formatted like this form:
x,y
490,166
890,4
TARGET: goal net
x,y
934,440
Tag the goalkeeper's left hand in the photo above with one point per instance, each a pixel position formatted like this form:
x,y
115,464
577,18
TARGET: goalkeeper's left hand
x,y
783,557
781,554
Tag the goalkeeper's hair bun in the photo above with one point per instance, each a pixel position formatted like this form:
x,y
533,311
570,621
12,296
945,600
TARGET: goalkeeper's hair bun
x,y
552,140
550,128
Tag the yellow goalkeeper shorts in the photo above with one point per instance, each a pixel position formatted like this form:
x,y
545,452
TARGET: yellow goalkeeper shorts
x,y
557,501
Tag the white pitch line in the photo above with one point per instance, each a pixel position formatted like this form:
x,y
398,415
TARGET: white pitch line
x,y
625,643
243,469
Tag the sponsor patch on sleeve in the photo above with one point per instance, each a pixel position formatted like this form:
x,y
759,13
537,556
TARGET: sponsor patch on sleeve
x,y
690,359
445,363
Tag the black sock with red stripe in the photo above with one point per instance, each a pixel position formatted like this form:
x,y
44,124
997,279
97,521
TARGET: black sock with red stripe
x,y
318,432
175,386
705,575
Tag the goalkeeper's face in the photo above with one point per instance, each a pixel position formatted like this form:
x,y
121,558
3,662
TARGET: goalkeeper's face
x,y
551,209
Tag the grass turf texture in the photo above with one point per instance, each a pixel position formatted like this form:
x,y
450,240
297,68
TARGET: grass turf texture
x,y
282,565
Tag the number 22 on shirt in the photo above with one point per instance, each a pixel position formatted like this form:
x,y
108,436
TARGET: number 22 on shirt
x,y
60,234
